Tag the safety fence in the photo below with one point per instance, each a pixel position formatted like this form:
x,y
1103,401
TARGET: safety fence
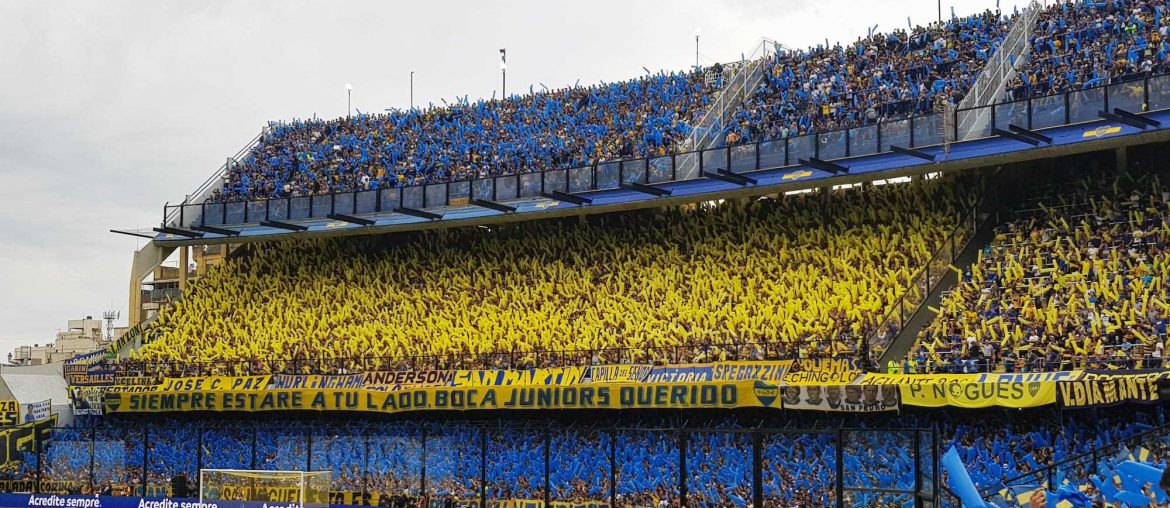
x,y
483,464
697,351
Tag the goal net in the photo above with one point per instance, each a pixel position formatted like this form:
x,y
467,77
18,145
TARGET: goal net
x,y
304,488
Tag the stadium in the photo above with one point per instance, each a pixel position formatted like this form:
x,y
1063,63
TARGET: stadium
x,y
929,268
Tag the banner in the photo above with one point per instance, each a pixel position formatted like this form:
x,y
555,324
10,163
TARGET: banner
x,y
680,374
1108,392
359,498
472,502
316,381
90,501
214,383
519,503
46,486
270,494
629,373
75,369
1152,374
549,376
9,413
24,438
979,395
57,494
37,411
92,377
86,358
385,381
766,371
852,398
714,395
929,379
60,501
136,380
816,371
87,400
84,369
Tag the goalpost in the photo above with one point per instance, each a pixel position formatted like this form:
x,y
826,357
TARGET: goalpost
x,y
305,488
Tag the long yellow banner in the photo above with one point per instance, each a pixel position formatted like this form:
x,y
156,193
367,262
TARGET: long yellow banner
x,y
698,386
707,395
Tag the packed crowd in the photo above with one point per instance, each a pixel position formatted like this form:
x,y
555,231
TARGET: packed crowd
x,y
1075,280
805,275
882,76
1001,451
376,457
1012,452
579,466
548,130
715,472
1080,45
878,78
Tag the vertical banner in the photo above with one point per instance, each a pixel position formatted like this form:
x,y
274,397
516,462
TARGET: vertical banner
x,y
37,411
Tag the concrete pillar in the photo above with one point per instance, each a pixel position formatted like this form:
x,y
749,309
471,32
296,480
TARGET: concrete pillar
x,y
183,253
135,304
1122,158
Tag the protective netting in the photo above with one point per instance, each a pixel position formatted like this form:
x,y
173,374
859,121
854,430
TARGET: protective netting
x,y
305,488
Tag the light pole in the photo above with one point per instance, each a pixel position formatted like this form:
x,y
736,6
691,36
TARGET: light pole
x,y
503,73
348,100
412,90
697,34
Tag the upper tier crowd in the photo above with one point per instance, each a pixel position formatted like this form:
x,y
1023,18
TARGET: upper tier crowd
x,y
880,77
1087,44
798,466
1077,279
552,129
803,276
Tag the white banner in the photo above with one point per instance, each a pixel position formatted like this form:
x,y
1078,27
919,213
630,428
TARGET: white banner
x,y
87,400
853,398
37,411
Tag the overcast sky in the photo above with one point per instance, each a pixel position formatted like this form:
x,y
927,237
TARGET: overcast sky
x,y
108,110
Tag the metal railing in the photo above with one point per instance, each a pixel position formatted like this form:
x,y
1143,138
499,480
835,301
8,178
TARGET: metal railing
x,y
404,461
926,279
708,132
1083,464
215,182
993,78
997,364
916,131
691,353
